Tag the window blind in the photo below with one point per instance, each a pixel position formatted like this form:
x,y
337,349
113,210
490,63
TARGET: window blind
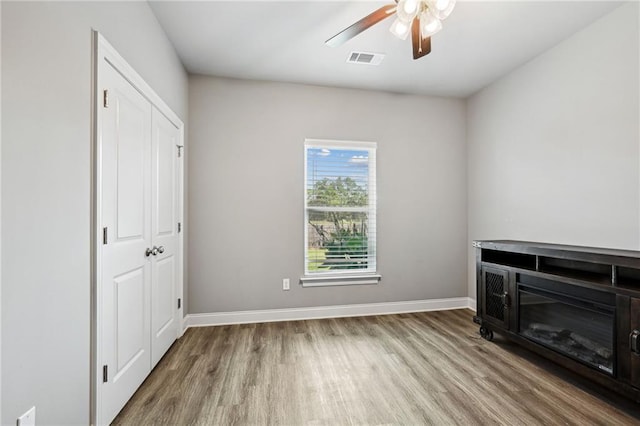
x,y
340,207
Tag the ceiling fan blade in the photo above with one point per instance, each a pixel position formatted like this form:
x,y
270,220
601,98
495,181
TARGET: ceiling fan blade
x,y
366,22
421,46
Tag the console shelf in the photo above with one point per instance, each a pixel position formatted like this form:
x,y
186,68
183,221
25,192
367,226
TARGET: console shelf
x,y
578,306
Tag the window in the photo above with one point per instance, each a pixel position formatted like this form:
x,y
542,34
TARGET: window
x,y
340,213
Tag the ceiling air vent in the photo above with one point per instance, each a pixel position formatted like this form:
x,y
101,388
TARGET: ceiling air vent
x,y
365,58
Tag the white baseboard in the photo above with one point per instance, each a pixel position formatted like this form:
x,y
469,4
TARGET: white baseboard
x,y
472,304
318,312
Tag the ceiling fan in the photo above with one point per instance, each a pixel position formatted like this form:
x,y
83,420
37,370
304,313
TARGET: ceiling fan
x,y
423,18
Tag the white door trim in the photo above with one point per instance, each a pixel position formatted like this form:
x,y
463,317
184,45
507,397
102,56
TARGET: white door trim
x,y
102,50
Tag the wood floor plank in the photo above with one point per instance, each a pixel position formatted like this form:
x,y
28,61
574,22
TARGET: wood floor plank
x,y
426,368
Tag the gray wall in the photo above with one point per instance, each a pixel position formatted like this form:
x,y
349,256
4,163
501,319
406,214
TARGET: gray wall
x,y
246,192
46,187
553,146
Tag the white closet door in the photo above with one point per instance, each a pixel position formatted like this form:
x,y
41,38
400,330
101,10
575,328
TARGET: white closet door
x,y
126,215
164,230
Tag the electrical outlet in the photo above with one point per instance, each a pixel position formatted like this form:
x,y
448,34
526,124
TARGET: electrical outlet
x,y
28,418
285,284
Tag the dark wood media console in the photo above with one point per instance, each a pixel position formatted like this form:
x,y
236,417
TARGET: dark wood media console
x,y
578,306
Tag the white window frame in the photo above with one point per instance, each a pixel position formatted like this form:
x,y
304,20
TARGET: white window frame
x,y
348,277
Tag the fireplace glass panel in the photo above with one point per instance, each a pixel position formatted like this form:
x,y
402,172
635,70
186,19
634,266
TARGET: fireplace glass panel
x,y
578,329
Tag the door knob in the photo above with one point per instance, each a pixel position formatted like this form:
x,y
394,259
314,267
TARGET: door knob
x,y
151,251
161,249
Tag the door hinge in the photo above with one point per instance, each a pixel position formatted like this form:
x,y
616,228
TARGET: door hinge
x,y
179,227
179,303
105,374
180,150
105,98
104,235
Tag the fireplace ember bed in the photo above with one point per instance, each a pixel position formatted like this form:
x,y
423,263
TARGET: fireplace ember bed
x,y
577,306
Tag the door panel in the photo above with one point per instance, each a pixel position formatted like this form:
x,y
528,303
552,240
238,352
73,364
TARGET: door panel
x,y
125,155
166,175
164,303
130,323
164,319
131,150
494,295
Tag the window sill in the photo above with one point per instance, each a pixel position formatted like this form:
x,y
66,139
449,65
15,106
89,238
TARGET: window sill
x,y
333,280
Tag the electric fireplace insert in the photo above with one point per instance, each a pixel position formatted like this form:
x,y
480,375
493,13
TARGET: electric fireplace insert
x,y
582,329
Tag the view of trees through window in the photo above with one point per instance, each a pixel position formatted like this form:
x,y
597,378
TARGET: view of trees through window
x,y
338,209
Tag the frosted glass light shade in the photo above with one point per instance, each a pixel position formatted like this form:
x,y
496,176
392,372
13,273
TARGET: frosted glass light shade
x,y
400,29
441,8
407,10
429,24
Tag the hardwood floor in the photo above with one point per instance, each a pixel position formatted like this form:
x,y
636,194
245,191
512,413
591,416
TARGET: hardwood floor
x,y
424,368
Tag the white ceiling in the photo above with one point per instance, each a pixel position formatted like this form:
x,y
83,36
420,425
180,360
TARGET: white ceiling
x,y
284,41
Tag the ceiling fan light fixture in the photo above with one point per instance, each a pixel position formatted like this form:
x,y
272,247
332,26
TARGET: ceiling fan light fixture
x,y
429,24
441,9
421,18
400,29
